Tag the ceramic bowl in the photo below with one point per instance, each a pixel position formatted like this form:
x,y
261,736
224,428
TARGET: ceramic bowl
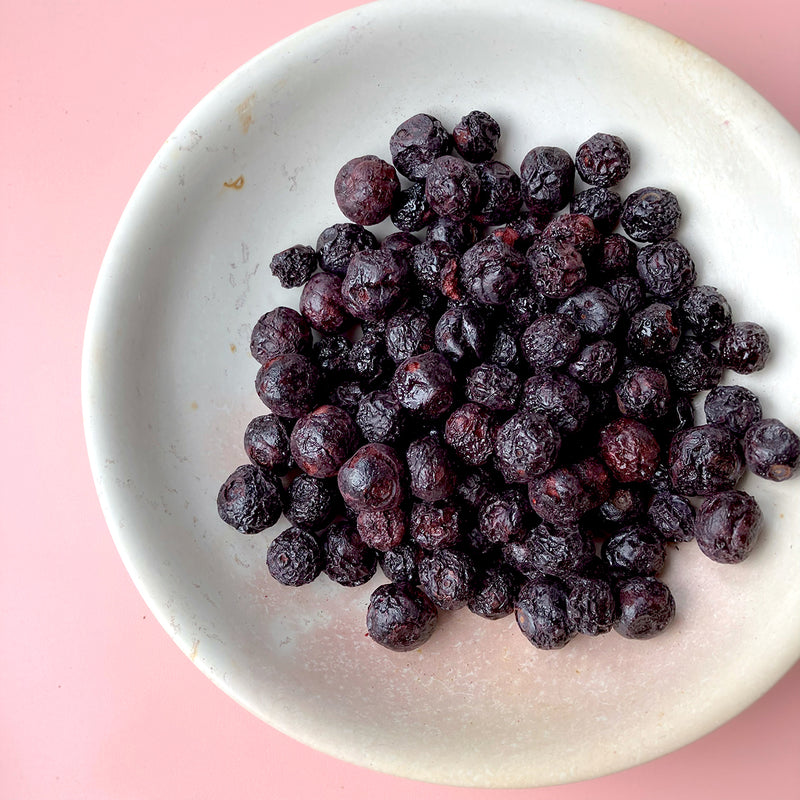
x,y
168,385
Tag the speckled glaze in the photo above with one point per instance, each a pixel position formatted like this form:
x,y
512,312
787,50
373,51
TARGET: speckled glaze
x,y
168,386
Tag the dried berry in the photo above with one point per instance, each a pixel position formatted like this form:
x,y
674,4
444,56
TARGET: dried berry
x,y
400,617
525,445
727,527
323,440
448,578
366,189
375,284
288,385
416,143
322,305
469,430
744,347
372,479
771,450
294,266
499,196
424,384
541,613
705,460
476,136
548,176
431,470
266,442
433,526
734,407
650,214
603,160
381,530
337,244
249,500
279,332
493,386
630,450
646,607
294,557
451,187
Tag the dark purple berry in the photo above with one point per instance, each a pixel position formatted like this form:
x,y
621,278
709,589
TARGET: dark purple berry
x,y
629,449
431,262
424,384
672,516
311,503
381,418
628,291
654,333
408,333
617,256
411,211
416,143
249,500
706,312
643,393
526,445
503,517
337,244
635,549
332,354
626,504
541,613
577,230
694,366
523,230
491,270
266,443
376,283
400,617
734,407
505,350
434,526
771,450
559,398
288,385
294,266
448,578
347,395
595,363
495,593
666,268
400,243
451,187
650,214
557,269
475,487
492,386
593,311
705,460
366,189
561,551
323,440
727,526
744,347
469,431
294,557
322,305
372,479
550,341
431,469
381,530
548,176
279,332
591,606
476,136
646,607
499,197
460,334
401,563
603,160
564,494
368,359
603,206
348,560
459,235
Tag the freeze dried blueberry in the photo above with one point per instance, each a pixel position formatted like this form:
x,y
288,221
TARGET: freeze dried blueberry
x,y
451,187
499,197
294,557
337,244
728,526
525,445
626,504
322,305
294,266
400,243
654,333
635,549
705,460
323,440
679,417
734,407
629,449
347,395
491,270
476,136
628,291
591,605
646,607
376,283
559,398
706,312
592,310
493,386
310,502
495,592
541,613
548,176
577,230
288,385
448,578
469,430
266,443
744,347
603,160
460,334
503,517
505,350
432,260
408,333
595,363
475,487
381,418
550,341
381,530
424,384
564,494
366,189
411,211
348,560
666,268
416,143
694,366
525,307
368,359
650,214
561,551
278,332
643,393
372,479
434,526
332,354
459,235
603,206
249,500
672,516
617,256
400,617
557,269
431,469
771,450
523,230
400,564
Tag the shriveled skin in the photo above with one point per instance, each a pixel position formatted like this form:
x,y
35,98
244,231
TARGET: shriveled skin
x,y
557,269
322,305
666,268
495,387
643,393
495,593
650,214
654,332
382,530
434,526
541,612
591,606
266,443
365,189
559,398
734,407
400,617
348,559
705,460
372,479
772,450
526,445
476,136
548,178
560,551
636,549
323,440
502,517
550,341
288,385
577,230
728,526
451,187
646,607
603,160
460,334
431,470
448,577
424,384
630,450
337,244
491,270
375,284
280,331
294,557
417,143
499,198
469,430
248,500
564,494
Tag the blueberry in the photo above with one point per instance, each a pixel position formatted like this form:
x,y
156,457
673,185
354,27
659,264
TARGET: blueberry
x,y
495,592
366,189
595,363
617,256
497,388
646,607
323,440
734,407
431,469
433,526
348,560
368,359
550,341
548,176
625,504
643,393
279,332
577,230
526,445
705,460
381,418
593,311
424,384
411,211
431,262
294,266
744,347
469,431
337,244
491,270
322,305
332,354
448,577
559,398
672,516
636,549
771,450
381,530
408,333
629,449
560,551
603,206
628,291
728,526
266,442
288,385
294,557
400,617
603,160
416,143
375,285
694,366
458,235
452,187
666,268
372,479
503,517
591,605
401,563
653,333
476,136
650,214
499,196
311,502
541,613
557,268
460,334
564,494
706,312
249,500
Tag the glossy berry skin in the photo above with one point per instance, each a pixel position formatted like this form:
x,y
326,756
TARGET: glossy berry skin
x,y
331,354
469,431
602,206
448,578
495,592
424,384
744,347
591,605
322,305
728,526
294,266
646,607
431,470
595,363
460,334
625,504
541,613
574,229
366,189
475,487
650,214
288,385
629,449
548,176
372,479
594,312
643,393
452,187
560,551
381,530
526,445
348,560
278,332
694,366
654,333
672,516
550,341
564,494
249,500
557,269
476,136
434,526
503,517
401,563
458,235
705,460
368,360
266,443
400,617
375,284
294,557
311,503
408,333
603,160
416,143
636,550
497,388
499,196
323,440
491,270
617,256
411,211
400,243
666,268
431,262
734,407
771,450
559,398
706,312
381,418
337,244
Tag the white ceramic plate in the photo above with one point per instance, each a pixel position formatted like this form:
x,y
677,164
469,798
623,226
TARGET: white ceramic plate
x,y
168,385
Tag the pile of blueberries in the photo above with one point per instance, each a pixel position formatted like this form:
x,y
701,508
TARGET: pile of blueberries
x,y
499,413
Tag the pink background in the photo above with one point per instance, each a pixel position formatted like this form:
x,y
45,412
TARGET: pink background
x,y
95,700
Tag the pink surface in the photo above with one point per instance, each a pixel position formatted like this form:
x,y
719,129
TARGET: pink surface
x,y
95,700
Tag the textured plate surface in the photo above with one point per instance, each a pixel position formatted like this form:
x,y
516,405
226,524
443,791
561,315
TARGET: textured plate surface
x,y
168,385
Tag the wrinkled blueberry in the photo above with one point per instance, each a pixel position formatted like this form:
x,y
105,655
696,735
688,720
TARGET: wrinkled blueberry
x,y
672,516
434,526
266,442
557,269
629,449
288,385
381,530
771,450
666,268
491,270
559,398
416,143
603,160
625,504
375,284
548,176
617,256
602,205
249,500
643,393
526,445
595,363
705,460
332,354
459,235
475,487
366,189
636,549
323,440
408,333
495,592
381,418
460,334
278,332
401,563
400,617
424,384
451,187
294,557
564,494
592,310
368,359
706,312
448,578
650,214
499,197
628,291
541,613
503,517
310,502
646,607
469,431
372,479
734,407
591,605
577,230
654,333
493,386
694,366
476,136
431,469
728,526
411,211
348,560
560,551
744,347
337,244
322,305
550,341
294,266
